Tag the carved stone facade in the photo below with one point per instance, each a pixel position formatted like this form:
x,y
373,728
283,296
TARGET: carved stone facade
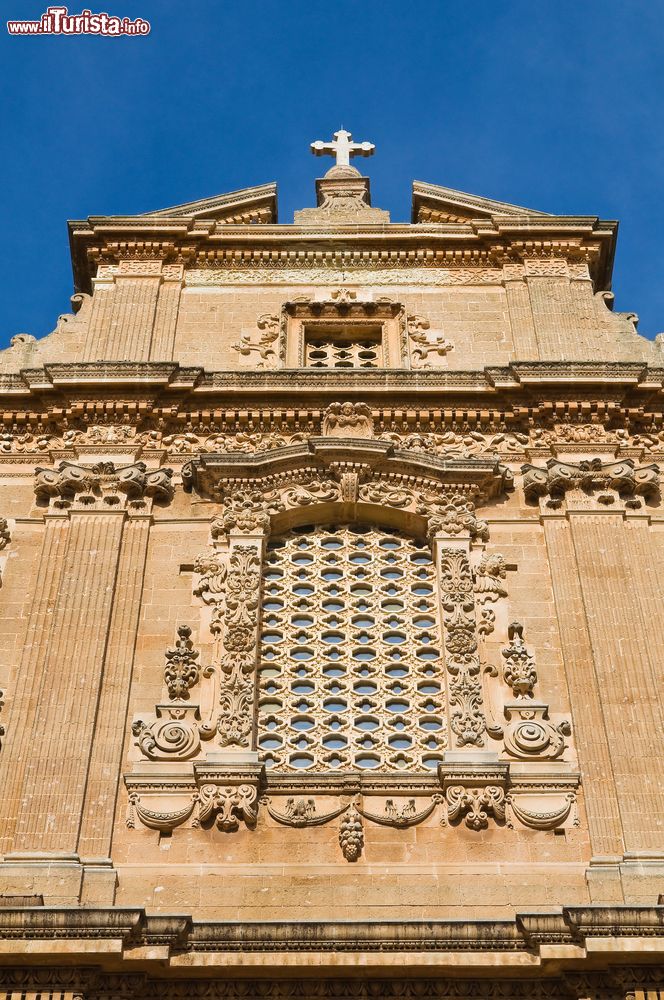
x,y
329,561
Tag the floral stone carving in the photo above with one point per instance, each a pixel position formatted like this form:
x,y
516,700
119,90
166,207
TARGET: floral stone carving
x,y
267,328
240,640
351,834
181,671
519,672
458,604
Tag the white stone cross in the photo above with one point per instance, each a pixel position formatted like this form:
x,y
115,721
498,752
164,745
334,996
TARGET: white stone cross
x,y
342,148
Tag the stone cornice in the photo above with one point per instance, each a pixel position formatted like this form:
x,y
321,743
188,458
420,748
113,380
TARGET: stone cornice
x,y
520,381
175,941
196,241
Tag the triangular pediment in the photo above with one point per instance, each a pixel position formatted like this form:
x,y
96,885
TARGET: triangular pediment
x,y
243,207
433,203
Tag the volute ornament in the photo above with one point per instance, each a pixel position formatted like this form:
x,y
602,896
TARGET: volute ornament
x,y
426,341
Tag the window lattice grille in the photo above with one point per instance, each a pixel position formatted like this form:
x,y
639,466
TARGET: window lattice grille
x,y
351,673
343,352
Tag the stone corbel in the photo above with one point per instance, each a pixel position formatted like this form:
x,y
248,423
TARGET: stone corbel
x,y
474,790
228,792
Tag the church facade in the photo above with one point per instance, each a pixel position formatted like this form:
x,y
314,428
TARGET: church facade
x,y
331,610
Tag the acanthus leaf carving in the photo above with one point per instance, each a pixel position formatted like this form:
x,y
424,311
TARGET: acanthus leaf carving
x,y
239,646
212,570
476,804
229,804
458,606
181,670
489,575
519,672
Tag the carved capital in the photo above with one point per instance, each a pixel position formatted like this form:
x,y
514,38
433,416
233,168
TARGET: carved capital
x,y
102,486
557,478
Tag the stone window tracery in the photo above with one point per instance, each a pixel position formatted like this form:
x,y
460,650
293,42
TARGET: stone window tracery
x,y
351,672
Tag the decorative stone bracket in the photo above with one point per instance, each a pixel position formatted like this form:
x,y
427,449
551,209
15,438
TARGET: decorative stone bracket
x,y
229,792
622,478
103,486
474,791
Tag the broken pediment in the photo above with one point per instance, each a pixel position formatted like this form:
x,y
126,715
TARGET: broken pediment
x,y
433,203
244,207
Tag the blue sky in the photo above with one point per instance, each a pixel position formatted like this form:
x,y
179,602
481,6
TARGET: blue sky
x,y
553,104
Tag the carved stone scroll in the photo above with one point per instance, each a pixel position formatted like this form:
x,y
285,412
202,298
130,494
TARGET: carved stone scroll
x,y
425,342
261,341
474,791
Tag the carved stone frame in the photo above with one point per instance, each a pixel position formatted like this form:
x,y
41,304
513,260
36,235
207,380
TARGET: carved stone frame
x,y
301,316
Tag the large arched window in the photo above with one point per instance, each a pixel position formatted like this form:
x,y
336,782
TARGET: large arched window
x,y
351,673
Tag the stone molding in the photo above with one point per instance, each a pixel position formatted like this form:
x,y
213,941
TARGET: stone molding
x,y
163,940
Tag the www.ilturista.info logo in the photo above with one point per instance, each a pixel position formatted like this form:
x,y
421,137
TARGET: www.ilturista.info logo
x,y
58,21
